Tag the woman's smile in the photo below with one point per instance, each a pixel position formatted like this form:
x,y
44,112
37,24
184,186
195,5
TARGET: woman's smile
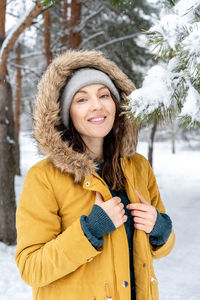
x,y
97,120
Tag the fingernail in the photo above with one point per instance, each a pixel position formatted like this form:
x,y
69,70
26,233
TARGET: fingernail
x,y
127,206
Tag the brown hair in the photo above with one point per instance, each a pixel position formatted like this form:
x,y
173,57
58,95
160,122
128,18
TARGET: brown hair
x,y
112,171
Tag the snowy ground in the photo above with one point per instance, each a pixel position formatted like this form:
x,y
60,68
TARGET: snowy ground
x,y
178,178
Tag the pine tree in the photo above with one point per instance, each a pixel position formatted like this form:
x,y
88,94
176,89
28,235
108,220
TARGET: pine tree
x,y
120,24
172,87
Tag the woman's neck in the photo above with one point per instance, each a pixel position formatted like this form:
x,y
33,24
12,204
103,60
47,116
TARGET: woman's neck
x,y
94,147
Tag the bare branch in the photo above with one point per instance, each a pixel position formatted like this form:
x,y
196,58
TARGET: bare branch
x,y
31,70
126,37
27,55
82,25
91,37
13,35
13,15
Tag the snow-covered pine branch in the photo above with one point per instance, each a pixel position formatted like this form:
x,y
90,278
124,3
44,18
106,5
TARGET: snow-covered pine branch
x,y
172,88
156,98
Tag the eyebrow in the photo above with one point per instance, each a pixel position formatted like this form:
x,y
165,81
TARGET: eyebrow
x,y
101,88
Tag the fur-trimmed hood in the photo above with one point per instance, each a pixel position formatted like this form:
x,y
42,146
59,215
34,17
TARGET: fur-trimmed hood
x,y
47,117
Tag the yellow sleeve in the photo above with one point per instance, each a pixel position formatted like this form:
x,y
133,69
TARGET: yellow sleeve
x,y
165,249
44,253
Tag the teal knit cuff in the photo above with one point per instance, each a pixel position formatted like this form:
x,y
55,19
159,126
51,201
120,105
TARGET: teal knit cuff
x,y
96,242
161,231
96,225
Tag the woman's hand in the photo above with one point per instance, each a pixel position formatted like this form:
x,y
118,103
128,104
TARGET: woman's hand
x,y
114,209
145,215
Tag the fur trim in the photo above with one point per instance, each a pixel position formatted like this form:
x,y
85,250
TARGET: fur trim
x,y
46,114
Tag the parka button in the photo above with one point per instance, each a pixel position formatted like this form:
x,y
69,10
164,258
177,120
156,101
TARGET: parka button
x,y
153,280
125,283
90,259
87,183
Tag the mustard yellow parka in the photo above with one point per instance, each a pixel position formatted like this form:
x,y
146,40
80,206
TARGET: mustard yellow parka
x,y
53,254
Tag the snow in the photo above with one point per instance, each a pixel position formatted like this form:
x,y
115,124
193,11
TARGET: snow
x,y
160,81
171,28
9,140
186,9
178,178
191,106
192,42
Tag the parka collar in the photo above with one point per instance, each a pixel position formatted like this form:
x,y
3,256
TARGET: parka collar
x,y
47,112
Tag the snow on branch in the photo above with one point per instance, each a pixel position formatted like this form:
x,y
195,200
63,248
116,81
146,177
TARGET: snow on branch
x,y
156,97
14,33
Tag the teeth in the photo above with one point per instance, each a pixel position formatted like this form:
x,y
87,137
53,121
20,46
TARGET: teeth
x,y
98,119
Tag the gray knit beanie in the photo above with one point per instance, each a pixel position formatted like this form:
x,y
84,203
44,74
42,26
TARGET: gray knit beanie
x,y
79,79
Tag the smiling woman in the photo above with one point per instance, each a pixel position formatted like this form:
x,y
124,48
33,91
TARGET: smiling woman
x,y
90,219
93,114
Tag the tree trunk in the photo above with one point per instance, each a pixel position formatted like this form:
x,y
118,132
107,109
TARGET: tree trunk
x,y
2,22
64,23
151,140
74,38
7,152
7,167
18,96
47,36
173,137
7,144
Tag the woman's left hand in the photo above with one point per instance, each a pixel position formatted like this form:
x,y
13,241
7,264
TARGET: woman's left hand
x,y
144,214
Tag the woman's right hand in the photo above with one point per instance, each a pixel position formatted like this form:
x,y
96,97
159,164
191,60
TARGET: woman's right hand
x,y
114,209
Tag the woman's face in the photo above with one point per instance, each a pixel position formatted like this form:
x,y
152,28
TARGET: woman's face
x,y
93,111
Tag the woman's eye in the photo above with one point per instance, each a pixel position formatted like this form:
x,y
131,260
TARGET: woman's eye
x,y
104,96
81,100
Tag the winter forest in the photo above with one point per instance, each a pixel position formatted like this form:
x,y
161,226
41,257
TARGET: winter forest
x,y
157,44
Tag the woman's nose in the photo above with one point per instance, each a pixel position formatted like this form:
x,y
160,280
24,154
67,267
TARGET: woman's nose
x,y
96,103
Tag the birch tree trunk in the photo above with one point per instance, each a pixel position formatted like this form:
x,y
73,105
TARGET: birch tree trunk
x,y
74,37
18,95
7,153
